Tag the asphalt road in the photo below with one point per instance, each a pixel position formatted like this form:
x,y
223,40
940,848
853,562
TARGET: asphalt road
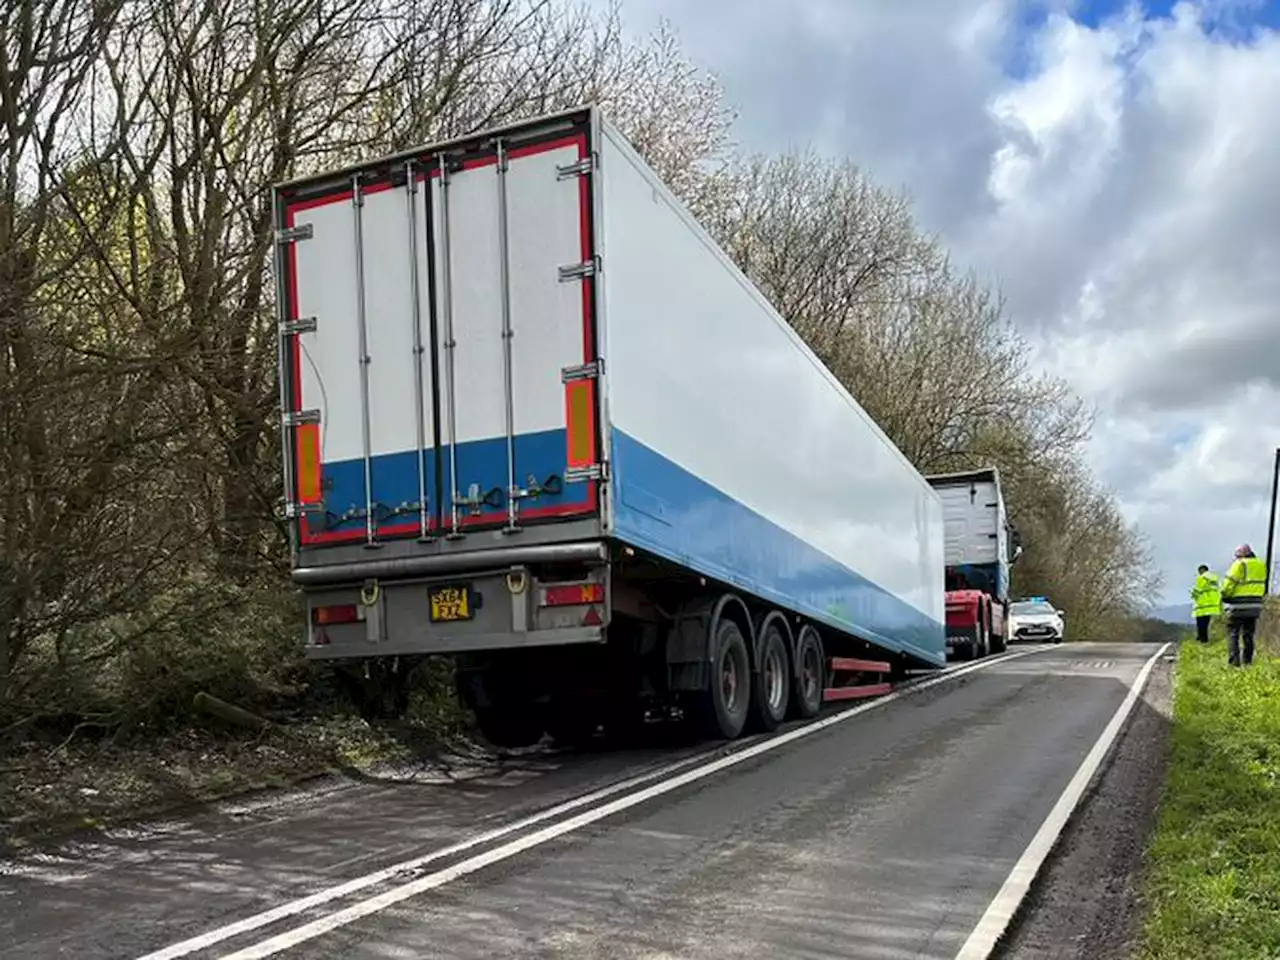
x,y
883,834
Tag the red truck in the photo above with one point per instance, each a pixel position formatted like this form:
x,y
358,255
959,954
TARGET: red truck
x,y
980,547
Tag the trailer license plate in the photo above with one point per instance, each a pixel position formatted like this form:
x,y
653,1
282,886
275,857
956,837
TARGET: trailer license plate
x,y
451,603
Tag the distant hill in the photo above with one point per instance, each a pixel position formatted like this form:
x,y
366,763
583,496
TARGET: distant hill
x,y
1158,631
1174,613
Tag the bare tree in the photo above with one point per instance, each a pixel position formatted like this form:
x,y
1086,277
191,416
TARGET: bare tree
x,y
138,421
240,95
55,459
1080,545
137,286
466,65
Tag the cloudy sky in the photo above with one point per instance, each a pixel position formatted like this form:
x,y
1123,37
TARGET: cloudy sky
x,y
1116,167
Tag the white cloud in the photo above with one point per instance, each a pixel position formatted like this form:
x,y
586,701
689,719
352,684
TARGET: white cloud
x,y
1152,169
1118,179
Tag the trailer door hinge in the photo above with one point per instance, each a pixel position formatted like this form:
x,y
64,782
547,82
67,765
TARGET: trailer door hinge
x,y
297,418
584,371
579,271
301,325
303,231
597,471
580,169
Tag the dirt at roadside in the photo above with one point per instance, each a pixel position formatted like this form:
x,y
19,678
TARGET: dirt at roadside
x,y
51,790
1086,904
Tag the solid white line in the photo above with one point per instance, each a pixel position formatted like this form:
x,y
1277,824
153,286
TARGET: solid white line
x,y
986,935
293,907
363,908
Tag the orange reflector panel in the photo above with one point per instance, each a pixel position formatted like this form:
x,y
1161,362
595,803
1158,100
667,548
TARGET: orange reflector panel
x,y
308,442
574,594
580,426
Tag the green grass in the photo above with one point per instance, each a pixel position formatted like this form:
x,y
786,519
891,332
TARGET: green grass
x,y
1213,887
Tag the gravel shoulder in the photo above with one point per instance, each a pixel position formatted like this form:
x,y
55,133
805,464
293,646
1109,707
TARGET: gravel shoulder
x,y
1087,904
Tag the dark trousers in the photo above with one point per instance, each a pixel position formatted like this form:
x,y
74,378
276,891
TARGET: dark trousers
x,y
1202,628
1240,628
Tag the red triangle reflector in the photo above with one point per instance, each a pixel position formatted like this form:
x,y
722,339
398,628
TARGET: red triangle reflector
x,y
592,618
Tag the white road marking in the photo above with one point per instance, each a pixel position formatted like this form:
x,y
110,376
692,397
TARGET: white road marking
x,y
405,891
321,897
986,935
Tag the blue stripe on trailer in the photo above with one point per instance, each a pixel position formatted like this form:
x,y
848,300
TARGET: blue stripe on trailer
x,y
395,478
664,509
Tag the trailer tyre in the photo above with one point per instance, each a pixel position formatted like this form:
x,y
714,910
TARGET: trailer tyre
x,y
509,729
727,699
810,675
572,725
771,686
998,644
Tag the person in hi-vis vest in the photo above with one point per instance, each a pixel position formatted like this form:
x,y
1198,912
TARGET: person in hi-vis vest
x,y
1244,592
1206,597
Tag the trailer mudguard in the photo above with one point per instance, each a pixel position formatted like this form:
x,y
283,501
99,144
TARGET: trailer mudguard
x,y
688,646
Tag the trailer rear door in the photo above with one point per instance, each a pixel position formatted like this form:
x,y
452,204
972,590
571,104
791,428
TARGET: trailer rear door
x,y
438,341
971,519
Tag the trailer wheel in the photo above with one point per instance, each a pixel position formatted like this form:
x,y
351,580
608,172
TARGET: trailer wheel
x,y
998,644
572,723
508,729
982,637
728,694
771,689
810,677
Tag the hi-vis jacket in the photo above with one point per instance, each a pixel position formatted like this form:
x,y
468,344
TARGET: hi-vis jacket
x,y
1207,595
1245,588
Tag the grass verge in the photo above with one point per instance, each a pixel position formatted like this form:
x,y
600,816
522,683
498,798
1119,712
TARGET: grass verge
x,y
1213,885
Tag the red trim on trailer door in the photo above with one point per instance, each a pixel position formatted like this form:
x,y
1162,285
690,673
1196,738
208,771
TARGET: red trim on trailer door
x,y
309,538
588,302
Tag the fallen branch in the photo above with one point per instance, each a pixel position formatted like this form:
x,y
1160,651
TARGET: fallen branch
x,y
229,712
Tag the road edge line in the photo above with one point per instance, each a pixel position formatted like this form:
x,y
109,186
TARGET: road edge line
x,y
994,923
291,938
291,908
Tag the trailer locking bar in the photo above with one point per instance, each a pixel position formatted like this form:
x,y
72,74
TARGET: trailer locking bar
x,y
362,328
514,493
450,348
415,314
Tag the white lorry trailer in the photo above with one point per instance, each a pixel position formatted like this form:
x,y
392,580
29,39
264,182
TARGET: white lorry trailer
x,y
981,546
534,418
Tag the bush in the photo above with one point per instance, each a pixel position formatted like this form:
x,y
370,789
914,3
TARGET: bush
x,y
237,642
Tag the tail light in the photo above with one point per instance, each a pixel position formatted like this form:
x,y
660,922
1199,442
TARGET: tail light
x,y
333,615
573,595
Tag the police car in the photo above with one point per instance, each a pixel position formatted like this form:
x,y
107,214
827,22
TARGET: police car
x,y
1035,619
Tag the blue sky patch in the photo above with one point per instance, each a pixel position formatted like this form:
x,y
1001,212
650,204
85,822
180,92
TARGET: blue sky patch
x,y
1232,21
1228,21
